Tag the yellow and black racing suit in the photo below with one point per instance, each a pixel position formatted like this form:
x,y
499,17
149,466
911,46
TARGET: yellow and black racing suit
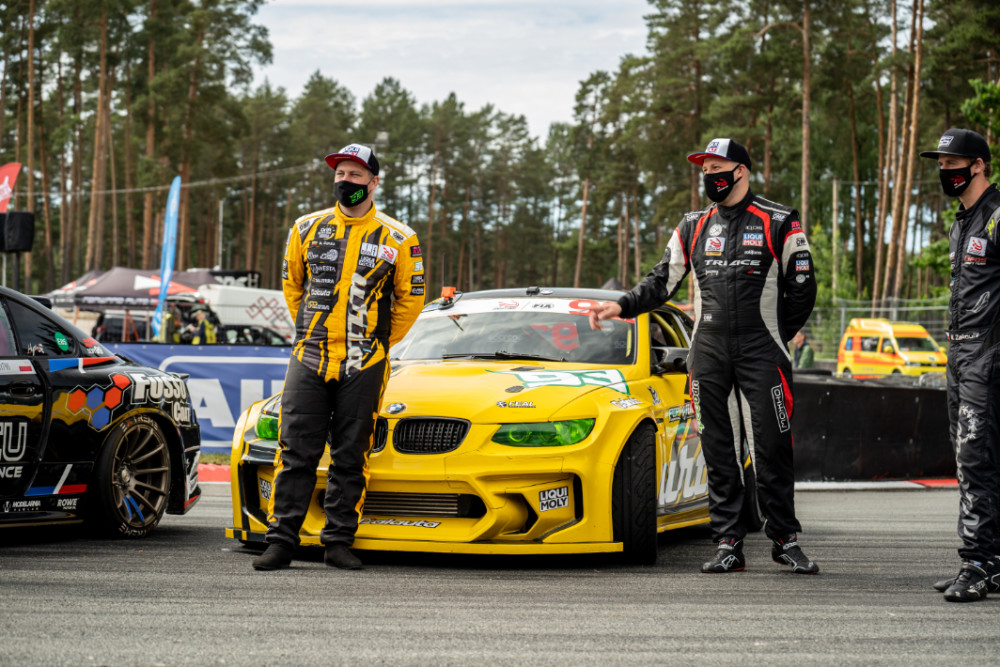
x,y
356,285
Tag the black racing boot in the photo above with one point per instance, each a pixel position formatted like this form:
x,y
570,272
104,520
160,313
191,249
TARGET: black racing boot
x,y
970,585
338,555
992,568
728,557
275,557
786,551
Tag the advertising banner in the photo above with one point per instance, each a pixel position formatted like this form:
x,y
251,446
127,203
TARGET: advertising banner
x,y
224,380
8,175
169,250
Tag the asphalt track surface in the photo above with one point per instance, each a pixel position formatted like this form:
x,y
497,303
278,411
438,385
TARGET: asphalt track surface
x,y
187,595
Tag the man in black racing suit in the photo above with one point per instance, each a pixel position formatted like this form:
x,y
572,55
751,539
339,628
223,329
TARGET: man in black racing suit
x,y
753,289
963,158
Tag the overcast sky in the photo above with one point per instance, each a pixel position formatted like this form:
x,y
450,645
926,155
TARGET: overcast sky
x,y
523,56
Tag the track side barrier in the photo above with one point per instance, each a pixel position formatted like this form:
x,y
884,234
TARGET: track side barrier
x,y
224,380
878,429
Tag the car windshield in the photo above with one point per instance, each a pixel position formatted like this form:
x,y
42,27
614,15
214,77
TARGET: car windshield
x,y
917,344
538,328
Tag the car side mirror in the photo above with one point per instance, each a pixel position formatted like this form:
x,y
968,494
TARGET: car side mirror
x,y
669,360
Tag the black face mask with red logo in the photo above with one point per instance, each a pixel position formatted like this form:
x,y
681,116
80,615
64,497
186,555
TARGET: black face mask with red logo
x,y
955,181
718,185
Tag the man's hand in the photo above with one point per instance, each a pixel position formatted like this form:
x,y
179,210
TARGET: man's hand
x,y
604,311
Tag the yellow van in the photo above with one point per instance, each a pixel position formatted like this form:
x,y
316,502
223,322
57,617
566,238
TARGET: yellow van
x,y
879,347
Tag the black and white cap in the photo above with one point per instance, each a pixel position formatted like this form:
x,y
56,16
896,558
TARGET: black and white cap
x,y
961,142
356,153
727,149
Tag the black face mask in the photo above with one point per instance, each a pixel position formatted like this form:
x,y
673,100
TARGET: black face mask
x,y
955,181
350,194
718,185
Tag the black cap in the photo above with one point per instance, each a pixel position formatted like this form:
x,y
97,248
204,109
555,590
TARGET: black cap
x,y
356,153
727,149
961,142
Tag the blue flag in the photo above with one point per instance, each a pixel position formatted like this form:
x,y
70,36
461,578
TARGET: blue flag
x,y
168,252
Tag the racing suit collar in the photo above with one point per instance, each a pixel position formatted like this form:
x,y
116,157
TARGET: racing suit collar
x,y
341,217
730,212
963,213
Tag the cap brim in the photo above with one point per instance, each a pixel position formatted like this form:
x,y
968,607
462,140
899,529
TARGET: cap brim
x,y
333,159
699,158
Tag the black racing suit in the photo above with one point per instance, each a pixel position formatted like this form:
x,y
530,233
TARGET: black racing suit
x,y
974,374
752,289
356,285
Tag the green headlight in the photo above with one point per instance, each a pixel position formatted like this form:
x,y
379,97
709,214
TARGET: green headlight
x,y
544,434
267,423
267,427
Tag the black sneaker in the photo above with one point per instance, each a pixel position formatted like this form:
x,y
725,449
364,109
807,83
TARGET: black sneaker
x,y
338,555
992,568
970,585
787,552
728,558
275,557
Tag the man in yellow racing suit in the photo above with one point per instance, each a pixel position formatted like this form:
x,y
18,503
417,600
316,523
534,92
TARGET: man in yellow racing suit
x,y
354,278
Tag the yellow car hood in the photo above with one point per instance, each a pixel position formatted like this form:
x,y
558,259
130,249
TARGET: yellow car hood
x,y
493,391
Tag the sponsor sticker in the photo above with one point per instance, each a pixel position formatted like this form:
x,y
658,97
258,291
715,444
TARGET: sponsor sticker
x,y
715,230
418,266
387,254
399,522
714,245
416,280
515,404
265,488
553,499
680,412
977,246
778,397
754,240
415,251
626,402
802,265
417,291
16,367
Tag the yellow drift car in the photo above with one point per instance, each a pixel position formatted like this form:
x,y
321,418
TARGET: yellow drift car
x,y
510,427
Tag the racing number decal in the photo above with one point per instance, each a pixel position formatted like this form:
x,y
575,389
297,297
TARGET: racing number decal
x,y
564,335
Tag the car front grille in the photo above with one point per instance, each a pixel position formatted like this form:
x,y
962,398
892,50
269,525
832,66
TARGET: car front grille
x,y
381,434
423,504
429,436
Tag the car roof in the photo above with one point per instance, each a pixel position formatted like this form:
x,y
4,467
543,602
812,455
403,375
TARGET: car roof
x,y
533,291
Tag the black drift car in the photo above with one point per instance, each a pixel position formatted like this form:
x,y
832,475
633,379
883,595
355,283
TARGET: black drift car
x,y
86,435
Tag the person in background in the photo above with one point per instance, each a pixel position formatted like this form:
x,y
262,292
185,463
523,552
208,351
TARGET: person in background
x,y
170,328
202,330
964,167
802,351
